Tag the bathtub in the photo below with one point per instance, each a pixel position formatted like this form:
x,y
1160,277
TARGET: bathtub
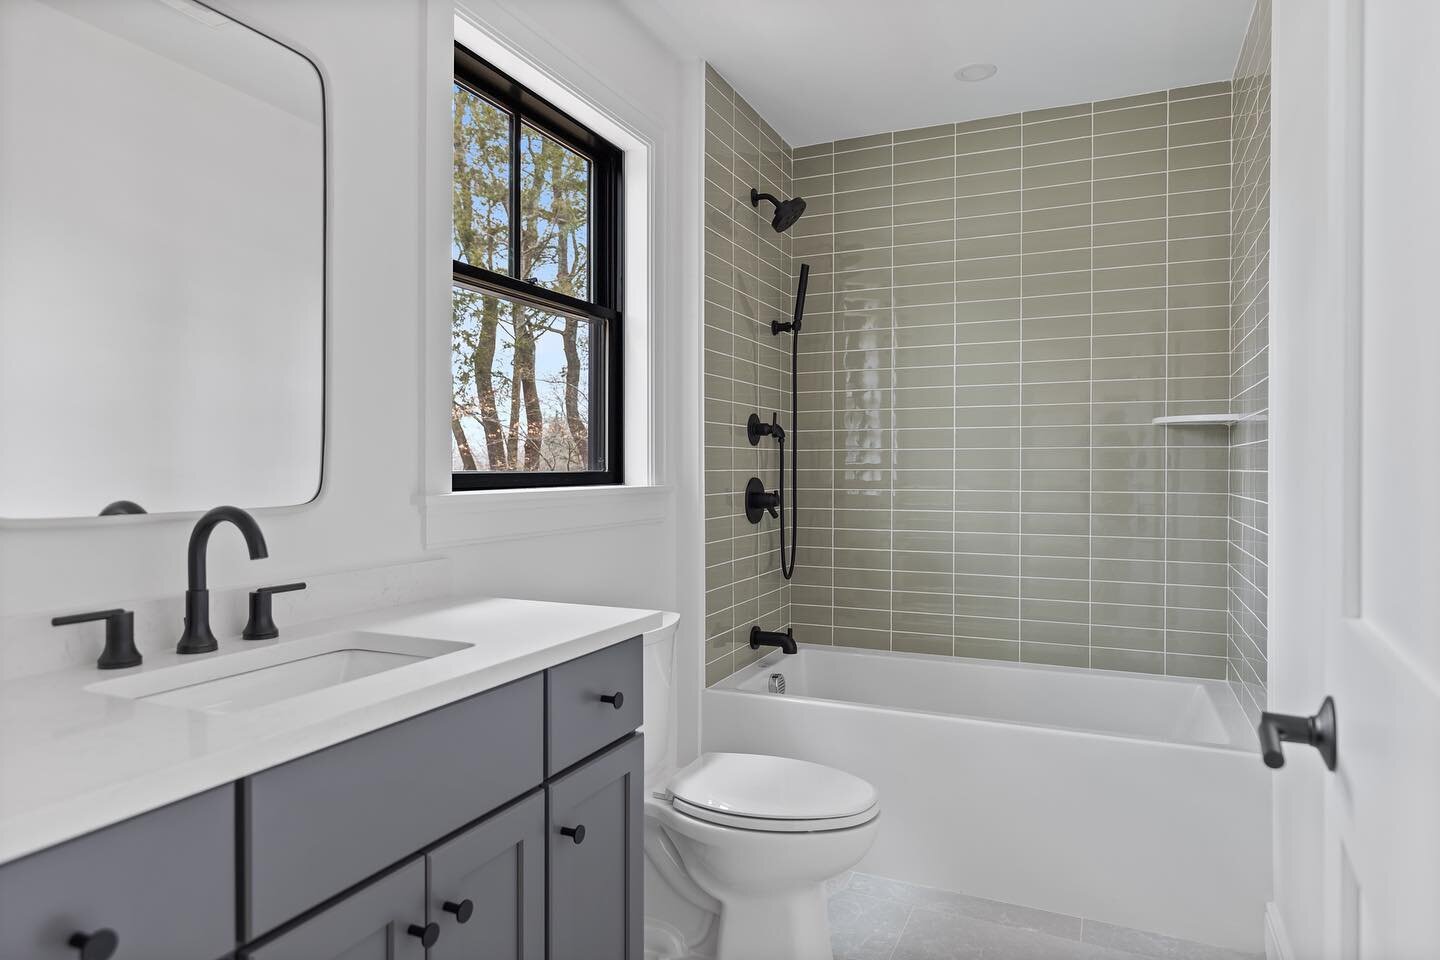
x,y
1118,797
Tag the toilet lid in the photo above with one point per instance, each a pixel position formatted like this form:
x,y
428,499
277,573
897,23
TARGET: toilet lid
x,y
772,788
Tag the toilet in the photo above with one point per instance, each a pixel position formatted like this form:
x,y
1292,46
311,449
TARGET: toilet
x,y
738,847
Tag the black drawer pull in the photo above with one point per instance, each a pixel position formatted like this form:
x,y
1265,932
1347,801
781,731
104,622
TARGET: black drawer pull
x,y
462,910
616,699
99,945
574,833
428,935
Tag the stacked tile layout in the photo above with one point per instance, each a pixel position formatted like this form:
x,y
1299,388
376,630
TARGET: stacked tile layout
x,y
998,310
748,283
1249,364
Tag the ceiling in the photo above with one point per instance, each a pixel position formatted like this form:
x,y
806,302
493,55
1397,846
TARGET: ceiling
x,y
821,70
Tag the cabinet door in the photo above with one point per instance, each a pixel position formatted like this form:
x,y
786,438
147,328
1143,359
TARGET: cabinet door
x,y
162,883
492,876
373,923
594,857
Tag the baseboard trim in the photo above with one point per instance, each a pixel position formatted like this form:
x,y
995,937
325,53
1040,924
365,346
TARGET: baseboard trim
x,y
1277,941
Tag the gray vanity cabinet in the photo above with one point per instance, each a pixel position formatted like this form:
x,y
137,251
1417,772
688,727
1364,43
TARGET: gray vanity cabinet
x,y
503,826
382,920
487,887
595,875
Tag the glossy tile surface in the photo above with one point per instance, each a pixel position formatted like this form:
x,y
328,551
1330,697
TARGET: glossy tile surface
x,y
998,310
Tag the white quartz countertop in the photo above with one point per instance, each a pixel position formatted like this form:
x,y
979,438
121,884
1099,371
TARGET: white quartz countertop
x,y
73,759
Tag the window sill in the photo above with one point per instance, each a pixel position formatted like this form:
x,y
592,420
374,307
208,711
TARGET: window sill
x,y
481,516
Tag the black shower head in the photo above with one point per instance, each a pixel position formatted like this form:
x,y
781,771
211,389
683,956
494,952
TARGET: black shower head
x,y
786,211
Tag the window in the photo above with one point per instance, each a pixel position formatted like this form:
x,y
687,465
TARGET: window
x,y
536,329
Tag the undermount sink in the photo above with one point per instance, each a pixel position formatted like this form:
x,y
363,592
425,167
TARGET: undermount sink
x,y
257,678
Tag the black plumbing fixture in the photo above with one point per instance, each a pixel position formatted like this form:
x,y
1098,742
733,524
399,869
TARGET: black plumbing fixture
x,y
758,500
119,651
755,428
198,637
786,211
776,326
765,638
121,508
261,625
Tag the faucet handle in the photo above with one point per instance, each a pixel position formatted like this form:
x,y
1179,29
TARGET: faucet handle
x,y
119,649
262,620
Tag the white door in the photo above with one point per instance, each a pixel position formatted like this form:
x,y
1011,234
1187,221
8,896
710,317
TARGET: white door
x,y
1356,356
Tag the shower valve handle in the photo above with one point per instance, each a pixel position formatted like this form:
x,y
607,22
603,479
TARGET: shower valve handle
x,y
759,501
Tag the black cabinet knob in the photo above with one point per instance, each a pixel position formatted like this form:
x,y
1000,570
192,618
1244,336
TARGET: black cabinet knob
x,y
428,935
616,699
574,833
99,945
462,910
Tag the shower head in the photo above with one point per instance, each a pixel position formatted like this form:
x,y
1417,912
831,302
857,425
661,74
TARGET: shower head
x,y
786,211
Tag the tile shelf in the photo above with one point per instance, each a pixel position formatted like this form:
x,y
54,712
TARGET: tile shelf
x,y
1200,420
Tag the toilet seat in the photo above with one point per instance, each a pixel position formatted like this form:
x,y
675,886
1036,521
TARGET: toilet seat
x,y
774,826
772,794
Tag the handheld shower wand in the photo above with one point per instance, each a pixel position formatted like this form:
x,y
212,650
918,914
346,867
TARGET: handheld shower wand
x,y
757,499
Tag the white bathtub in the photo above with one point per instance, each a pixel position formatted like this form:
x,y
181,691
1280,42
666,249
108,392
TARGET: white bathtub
x,y
1119,797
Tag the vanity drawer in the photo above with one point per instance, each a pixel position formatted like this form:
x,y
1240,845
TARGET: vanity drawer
x,y
580,722
164,882
319,824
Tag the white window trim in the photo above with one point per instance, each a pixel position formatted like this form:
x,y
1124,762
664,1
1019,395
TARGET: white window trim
x,y
454,518
476,516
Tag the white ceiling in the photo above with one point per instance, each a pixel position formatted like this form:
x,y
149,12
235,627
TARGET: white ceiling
x,y
821,70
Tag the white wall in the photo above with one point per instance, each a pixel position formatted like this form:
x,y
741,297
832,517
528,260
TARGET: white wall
x,y
372,510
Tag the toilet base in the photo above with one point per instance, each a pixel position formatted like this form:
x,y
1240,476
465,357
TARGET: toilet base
x,y
795,927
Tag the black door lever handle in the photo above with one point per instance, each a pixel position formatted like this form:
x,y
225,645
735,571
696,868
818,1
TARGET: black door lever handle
x,y
1317,731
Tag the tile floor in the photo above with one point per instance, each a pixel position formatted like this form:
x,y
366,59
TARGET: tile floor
x,y
872,918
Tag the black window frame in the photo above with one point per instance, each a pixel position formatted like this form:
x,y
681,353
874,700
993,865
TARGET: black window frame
x,y
604,309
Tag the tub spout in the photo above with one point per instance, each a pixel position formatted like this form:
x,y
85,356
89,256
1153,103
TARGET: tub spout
x,y
764,638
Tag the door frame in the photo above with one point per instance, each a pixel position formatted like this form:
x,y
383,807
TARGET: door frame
x,y
1315,205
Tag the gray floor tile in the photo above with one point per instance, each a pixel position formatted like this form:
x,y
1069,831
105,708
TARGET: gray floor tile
x,y
864,928
930,935
958,904
835,884
1156,946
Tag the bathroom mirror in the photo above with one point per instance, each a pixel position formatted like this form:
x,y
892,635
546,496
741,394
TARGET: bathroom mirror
x,y
162,261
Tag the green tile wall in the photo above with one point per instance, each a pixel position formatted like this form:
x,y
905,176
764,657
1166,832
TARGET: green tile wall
x,y
749,281
1249,358
998,310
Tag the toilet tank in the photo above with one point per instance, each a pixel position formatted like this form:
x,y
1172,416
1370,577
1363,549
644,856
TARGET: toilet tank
x,y
659,699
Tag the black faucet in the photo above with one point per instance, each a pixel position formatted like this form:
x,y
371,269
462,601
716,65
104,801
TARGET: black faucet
x,y
764,638
197,637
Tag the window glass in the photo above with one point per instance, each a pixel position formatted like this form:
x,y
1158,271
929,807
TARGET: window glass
x,y
523,387
481,232
554,215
